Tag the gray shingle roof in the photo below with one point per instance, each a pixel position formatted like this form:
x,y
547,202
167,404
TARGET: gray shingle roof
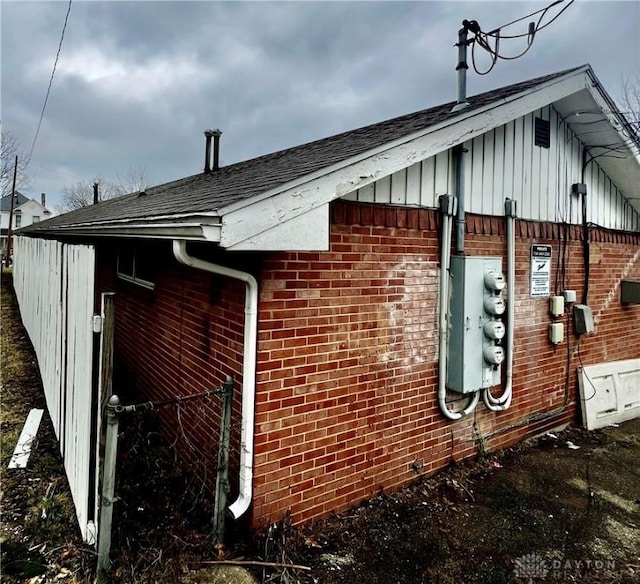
x,y
203,193
5,202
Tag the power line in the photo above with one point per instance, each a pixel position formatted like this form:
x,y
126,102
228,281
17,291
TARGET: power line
x,y
483,38
46,97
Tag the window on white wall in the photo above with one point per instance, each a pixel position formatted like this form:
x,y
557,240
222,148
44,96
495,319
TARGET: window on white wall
x,y
18,220
36,218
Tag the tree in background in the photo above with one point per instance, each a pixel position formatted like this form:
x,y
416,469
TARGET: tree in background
x,y
9,149
80,194
631,102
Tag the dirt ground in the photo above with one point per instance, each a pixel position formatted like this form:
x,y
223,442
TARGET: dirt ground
x,y
562,508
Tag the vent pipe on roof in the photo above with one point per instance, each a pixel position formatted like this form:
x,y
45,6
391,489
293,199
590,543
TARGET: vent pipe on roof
x,y
43,199
96,194
215,134
462,66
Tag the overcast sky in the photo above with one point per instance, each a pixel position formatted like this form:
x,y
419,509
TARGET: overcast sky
x,y
138,82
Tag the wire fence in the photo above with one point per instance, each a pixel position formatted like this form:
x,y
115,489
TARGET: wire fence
x,y
168,466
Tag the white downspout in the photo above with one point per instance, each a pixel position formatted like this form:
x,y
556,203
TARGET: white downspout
x,y
447,207
504,401
240,506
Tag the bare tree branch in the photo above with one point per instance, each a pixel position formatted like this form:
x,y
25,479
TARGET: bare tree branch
x,y
9,149
631,102
80,194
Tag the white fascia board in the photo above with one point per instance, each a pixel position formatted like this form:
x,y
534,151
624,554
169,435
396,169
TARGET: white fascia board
x,y
245,220
307,232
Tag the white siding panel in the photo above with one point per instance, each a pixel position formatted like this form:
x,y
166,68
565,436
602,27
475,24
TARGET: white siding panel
x,y
505,162
383,190
499,189
509,133
399,188
414,176
443,172
428,191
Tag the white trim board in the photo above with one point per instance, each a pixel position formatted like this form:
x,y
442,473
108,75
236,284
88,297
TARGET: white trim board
x,y
22,451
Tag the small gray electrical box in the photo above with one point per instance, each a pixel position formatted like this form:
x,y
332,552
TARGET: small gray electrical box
x,y
582,319
629,292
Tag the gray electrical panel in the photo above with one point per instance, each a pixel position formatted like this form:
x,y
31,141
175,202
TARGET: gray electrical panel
x,y
475,326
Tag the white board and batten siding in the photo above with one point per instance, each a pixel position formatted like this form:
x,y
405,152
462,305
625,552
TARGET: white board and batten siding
x,y
505,163
54,286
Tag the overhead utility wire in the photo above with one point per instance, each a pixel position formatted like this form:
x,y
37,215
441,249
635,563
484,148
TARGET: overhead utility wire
x,y
481,38
46,97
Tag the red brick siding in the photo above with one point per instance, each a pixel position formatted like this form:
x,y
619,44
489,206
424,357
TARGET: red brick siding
x,y
182,338
347,372
347,353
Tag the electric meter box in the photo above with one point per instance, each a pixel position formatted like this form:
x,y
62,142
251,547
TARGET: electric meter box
x,y
474,351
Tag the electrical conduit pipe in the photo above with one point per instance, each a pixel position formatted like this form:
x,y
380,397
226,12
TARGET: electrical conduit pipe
x,y
242,503
504,401
447,206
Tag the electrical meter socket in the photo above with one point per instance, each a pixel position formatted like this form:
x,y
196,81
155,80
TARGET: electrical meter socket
x,y
493,354
494,281
494,305
494,329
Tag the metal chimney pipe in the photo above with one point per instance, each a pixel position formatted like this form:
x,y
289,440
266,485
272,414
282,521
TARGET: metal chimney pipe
x,y
208,134
216,149
462,67
43,199
96,195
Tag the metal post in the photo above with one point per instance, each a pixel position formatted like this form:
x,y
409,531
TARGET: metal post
x,y
7,259
108,488
222,480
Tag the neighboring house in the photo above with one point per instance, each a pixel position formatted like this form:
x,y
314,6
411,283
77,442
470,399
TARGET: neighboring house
x,y
25,212
313,276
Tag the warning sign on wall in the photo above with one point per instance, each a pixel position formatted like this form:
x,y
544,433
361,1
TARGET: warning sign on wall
x,y
540,271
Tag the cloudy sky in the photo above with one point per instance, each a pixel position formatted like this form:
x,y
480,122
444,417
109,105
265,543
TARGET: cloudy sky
x,y
138,82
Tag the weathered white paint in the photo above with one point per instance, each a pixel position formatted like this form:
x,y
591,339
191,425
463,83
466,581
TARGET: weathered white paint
x,y
54,285
22,451
504,162
609,392
244,219
286,235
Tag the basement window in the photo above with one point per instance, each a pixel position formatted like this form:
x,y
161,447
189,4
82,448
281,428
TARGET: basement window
x,y
138,264
542,133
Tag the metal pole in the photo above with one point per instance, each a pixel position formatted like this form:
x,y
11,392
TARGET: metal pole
x,y
461,68
9,231
222,478
108,488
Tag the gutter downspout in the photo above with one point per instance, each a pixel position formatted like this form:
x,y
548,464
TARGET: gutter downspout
x,y
242,503
447,208
504,401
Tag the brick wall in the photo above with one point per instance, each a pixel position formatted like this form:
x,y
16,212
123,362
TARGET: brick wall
x,y
182,338
347,353
347,374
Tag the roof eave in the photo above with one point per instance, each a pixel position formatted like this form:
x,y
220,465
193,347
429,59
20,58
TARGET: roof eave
x,y
192,228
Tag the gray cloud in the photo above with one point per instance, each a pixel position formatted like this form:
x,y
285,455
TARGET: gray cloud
x,y
138,82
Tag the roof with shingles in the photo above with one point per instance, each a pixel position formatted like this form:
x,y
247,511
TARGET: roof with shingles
x,y
208,192
5,202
